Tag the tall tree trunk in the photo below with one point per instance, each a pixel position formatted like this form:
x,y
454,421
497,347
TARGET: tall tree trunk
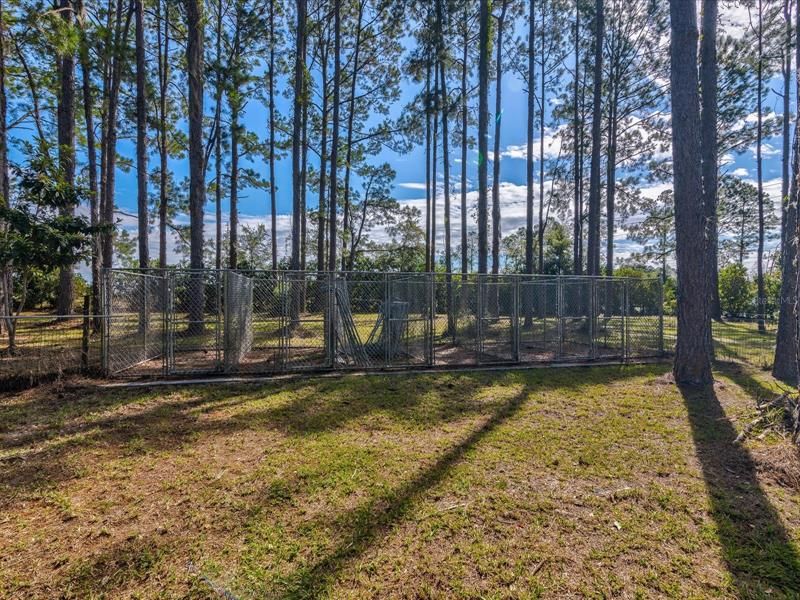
x,y
529,170
163,153
464,139
434,164
348,261
233,236
234,103
91,155
692,356
611,173
498,118
529,180
593,243
577,125
141,139
337,79
66,151
542,223
297,129
795,202
710,147
483,132
323,156
197,188
761,300
785,362
109,144
448,257
6,292
304,172
273,203
218,140
786,71
430,187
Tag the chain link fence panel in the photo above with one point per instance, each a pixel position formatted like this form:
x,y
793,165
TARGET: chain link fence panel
x,y
283,321
135,307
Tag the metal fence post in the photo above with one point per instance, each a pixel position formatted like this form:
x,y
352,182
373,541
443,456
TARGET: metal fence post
x,y
431,316
85,335
661,315
560,314
592,318
625,330
387,319
166,314
145,316
105,322
220,314
330,346
515,333
479,320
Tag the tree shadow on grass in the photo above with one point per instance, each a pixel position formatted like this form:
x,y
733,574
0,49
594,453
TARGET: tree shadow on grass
x,y
365,524
758,551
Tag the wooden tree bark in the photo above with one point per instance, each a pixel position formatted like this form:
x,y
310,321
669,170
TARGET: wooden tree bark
x,y
483,131
141,139
448,257
464,139
109,142
593,242
66,151
529,170
163,152
273,203
430,187
347,262
197,189
434,162
304,172
323,156
218,92
760,292
91,155
692,355
611,169
6,294
297,129
710,147
337,79
542,219
785,365
577,124
498,119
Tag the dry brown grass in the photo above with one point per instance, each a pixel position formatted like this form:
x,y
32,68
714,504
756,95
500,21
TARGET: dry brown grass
x,y
546,483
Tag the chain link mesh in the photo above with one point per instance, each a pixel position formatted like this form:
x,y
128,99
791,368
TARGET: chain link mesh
x,y
202,322
238,312
135,306
282,321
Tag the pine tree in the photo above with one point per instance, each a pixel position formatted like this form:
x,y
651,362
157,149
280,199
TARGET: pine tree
x,y
692,355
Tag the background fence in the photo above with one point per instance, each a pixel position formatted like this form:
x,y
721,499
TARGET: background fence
x,y
205,322
36,347
263,322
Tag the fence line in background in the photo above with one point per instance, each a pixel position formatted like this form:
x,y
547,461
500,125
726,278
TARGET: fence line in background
x,y
41,346
183,322
264,322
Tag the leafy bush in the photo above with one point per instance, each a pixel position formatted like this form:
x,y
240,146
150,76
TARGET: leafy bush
x,y
735,290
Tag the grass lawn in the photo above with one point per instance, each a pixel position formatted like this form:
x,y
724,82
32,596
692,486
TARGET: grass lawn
x,y
598,482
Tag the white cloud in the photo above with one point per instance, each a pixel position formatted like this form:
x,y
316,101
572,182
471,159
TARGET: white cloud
x,y
412,185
